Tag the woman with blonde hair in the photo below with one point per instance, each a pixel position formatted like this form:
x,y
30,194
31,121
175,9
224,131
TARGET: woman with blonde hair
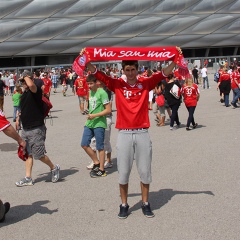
x,y
191,96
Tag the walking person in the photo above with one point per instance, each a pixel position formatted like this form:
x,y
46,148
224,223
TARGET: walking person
x,y
11,84
235,85
224,84
205,77
54,79
133,123
16,102
195,74
34,129
173,102
81,89
191,96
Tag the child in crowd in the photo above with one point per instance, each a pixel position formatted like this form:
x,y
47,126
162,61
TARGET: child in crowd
x,y
16,102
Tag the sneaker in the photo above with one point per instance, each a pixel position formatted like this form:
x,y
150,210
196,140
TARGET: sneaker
x,y
233,107
146,209
123,211
6,207
221,100
55,173
86,111
96,167
178,125
195,125
25,182
99,173
188,129
171,128
108,164
90,166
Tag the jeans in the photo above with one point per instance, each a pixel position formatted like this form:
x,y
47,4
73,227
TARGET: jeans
x,y
226,99
236,94
195,79
15,109
89,133
174,116
190,116
205,79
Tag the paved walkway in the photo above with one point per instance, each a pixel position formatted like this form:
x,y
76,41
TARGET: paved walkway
x,y
194,194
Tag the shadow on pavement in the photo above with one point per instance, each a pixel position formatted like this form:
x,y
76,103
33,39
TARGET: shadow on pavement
x,y
162,197
22,212
63,174
8,147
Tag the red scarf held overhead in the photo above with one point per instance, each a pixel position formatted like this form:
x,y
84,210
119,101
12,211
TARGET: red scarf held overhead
x,y
99,54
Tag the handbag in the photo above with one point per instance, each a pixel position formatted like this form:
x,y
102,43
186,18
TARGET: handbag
x,y
160,100
175,91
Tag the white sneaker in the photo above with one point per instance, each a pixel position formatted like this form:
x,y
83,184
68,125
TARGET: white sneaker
x,y
90,166
108,164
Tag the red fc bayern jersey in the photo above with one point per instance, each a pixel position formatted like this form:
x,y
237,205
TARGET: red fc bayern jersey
x,y
47,84
81,86
190,95
131,100
4,123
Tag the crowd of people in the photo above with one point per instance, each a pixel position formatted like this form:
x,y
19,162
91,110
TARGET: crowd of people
x,y
139,91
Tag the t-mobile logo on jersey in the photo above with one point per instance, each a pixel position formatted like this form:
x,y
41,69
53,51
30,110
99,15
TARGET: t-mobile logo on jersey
x,y
127,93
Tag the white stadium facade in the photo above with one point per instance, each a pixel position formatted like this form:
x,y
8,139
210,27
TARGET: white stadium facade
x,y
48,32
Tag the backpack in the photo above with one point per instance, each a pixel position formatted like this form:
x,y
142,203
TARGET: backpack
x,y
47,105
216,76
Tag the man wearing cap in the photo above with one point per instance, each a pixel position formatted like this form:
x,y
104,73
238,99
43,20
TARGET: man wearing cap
x,y
34,129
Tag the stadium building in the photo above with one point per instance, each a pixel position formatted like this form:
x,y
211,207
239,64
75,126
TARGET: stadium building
x,y
51,32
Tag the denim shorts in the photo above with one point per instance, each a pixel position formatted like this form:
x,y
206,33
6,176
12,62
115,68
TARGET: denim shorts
x,y
89,133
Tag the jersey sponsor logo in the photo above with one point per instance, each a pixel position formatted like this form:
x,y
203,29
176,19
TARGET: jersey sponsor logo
x,y
127,94
140,86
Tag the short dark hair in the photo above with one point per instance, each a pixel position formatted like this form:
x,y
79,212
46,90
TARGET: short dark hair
x,y
37,73
91,78
129,62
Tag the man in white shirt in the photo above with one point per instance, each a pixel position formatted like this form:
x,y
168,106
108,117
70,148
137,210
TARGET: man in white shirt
x,y
205,77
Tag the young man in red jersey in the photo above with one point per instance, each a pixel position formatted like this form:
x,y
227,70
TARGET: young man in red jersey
x,y
133,123
48,85
81,89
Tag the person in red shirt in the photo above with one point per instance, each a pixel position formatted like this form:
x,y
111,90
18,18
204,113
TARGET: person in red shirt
x,y
48,85
224,84
191,96
8,129
133,123
235,85
81,89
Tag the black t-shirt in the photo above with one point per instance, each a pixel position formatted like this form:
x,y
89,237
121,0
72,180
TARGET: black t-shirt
x,y
31,105
2,85
63,78
38,82
195,72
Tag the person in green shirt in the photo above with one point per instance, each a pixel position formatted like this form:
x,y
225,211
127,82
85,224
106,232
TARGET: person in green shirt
x,y
16,102
99,107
